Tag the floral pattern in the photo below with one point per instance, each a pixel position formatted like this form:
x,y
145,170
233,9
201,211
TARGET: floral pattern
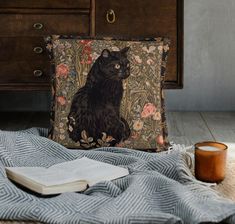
x,y
138,125
62,70
143,102
61,100
148,110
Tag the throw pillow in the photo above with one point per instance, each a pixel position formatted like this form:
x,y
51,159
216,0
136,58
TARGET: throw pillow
x,y
108,92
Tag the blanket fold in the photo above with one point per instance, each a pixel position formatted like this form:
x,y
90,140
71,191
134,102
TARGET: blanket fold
x,y
159,189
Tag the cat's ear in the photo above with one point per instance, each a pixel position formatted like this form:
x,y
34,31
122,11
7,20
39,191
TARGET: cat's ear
x,y
125,50
105,53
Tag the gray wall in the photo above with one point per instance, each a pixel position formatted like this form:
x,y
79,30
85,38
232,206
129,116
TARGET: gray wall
x,y
209,61
209,68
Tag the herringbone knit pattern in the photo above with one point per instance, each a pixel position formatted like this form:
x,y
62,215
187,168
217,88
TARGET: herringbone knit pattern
x,y
159,189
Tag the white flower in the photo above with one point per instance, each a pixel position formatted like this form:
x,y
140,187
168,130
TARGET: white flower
x,y
115,48
149,61
138,59
138,125
166,48
150,50
157,116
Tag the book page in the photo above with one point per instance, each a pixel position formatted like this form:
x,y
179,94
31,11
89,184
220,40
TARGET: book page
x,y
80,169
91,170
44,176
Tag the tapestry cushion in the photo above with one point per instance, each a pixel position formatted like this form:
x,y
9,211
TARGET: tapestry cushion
x,y
108,92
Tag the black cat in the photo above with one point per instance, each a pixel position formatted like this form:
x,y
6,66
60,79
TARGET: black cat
x,y
96,106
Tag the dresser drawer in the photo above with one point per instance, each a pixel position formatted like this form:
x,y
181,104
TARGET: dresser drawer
x,y
45,4
24,72
26,48
38,24
138,18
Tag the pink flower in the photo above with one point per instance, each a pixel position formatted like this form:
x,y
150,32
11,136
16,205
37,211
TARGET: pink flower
x,y
149,109
87,60
86,54
86,42
62,70
87,49
61,100
160,140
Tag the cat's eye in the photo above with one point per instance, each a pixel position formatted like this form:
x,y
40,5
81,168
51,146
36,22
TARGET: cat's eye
x,y
117,66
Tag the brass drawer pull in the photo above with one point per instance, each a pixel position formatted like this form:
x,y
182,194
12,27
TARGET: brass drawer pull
x,y
38,50
37,73
110,16
37,26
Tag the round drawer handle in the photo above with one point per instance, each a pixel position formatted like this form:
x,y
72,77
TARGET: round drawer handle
x,y
38,50
37,73
37,26
110,16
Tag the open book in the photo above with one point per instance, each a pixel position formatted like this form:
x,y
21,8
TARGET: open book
x,y
68,176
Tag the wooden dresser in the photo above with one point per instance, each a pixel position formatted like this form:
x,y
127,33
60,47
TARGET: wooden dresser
x,y
24,64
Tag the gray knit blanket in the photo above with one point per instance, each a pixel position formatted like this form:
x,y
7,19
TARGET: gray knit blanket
x,y
159,189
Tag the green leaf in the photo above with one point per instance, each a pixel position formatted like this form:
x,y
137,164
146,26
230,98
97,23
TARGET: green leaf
x,y
90,139
78,144
100,142
85,146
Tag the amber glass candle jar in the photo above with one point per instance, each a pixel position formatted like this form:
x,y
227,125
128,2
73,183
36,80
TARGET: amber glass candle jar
x,y
210,161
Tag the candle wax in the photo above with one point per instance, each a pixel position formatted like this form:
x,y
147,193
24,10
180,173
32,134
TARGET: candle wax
x,y
209,148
